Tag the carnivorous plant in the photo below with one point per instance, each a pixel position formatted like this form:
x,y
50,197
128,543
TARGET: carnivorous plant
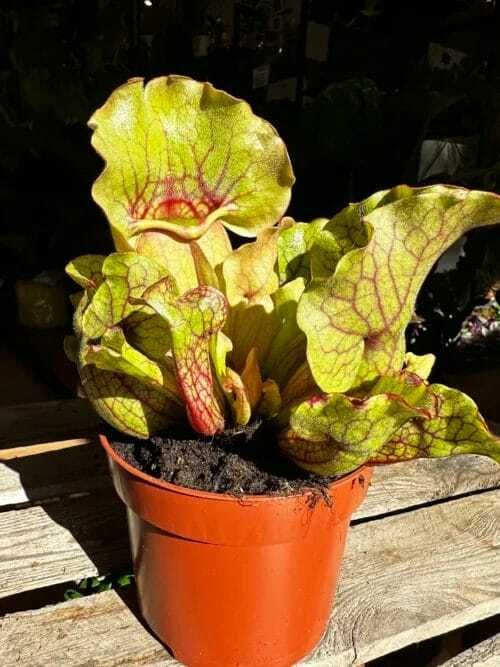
x,y
303,325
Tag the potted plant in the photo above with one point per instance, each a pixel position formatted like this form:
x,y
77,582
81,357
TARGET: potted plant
x,y
253,386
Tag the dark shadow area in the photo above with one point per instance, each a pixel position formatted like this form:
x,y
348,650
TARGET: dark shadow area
x,y
436,651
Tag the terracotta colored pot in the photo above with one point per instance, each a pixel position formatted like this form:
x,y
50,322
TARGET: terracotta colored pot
x,y
227,581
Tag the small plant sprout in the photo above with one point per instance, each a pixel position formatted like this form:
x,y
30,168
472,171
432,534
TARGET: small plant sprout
x,y
303,325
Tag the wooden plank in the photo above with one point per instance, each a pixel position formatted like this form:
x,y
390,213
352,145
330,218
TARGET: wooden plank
x,y
99,631
53,474
405,578
414,576
485,654
41,448
413,483
50,529
61,542
34,423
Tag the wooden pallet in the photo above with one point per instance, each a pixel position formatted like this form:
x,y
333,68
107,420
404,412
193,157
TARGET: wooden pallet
x,y
423,555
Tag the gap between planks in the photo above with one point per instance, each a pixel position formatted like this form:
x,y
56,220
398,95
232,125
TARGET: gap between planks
x,y
404,579
484,654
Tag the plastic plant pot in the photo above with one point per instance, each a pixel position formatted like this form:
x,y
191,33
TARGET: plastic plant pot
x,y
235,581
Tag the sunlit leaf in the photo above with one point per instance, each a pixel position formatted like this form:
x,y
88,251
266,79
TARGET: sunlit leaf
x,y
458,428
130,406
115,354
419,364
252,378
249,272
355,320
86,270
181,155
193,318
126,276
334,434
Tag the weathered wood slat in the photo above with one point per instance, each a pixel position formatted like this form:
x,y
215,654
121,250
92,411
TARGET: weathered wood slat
x,y
62,534
100,631
405,578
49,421
485,654
62,542
414,576
413,483
394,487
53,474
20,452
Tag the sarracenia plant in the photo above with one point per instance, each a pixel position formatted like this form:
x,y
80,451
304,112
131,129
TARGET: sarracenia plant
x,y
303,326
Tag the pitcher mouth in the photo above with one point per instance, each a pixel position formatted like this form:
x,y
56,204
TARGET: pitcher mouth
x,y
211,495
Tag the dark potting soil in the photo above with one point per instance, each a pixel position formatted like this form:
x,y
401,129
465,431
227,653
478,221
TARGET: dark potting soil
x,y
238,461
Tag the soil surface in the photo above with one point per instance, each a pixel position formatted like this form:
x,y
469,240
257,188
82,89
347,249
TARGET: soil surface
x,y
239,461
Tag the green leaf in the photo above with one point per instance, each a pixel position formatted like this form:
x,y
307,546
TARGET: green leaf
x,y
355,320
237,396
221,346
205,272
252,378
178,255
149,333
299,387
334,434
126,276
72,594
250,326
419,364
194,318
70,345
124,580
313,250
236,392
115,354
287,350
86,270
127,404
294,243
249,272
104,586
80,308
270,404
408,388
346,231
458,428
180,155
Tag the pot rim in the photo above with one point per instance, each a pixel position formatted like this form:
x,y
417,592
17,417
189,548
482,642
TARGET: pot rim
x,y
212,495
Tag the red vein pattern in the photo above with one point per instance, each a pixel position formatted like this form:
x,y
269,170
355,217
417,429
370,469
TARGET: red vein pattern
x,y
355,320
194,318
